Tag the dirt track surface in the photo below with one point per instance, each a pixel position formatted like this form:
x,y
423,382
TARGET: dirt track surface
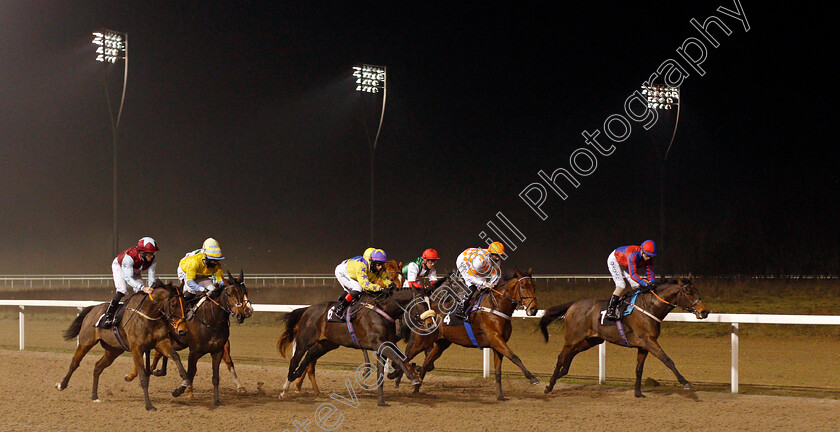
x,y
32,403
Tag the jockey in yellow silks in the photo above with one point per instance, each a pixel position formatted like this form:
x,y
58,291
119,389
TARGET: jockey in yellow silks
x,y
366,272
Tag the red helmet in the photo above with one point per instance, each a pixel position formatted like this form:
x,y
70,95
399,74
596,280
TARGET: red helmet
x,y
430,254
649,247
147,245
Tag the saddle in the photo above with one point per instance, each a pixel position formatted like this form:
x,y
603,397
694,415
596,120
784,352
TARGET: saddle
x,y
352,309
625,307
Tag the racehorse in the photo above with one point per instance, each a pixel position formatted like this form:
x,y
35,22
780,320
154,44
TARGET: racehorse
x,y
393,268
640,329
490,321
232,299
313,336
143,326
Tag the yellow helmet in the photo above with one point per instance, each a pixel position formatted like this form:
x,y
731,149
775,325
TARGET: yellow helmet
x,y
212,250
496,248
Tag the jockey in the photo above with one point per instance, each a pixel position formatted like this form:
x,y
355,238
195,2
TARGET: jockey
x,y
624,262
479,268
366,272
422,266
200,271
126,268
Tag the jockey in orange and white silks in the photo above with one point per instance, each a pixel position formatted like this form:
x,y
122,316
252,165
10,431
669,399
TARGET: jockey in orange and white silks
x,y
625,262
366,272
479,269
126,268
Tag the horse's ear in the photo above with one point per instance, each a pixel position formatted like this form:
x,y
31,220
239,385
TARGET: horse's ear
x,y
690,277
530,271
232,279
241,276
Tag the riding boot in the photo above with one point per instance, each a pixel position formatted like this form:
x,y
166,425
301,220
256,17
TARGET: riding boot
x,y
188,297
107,319
462,311
612,312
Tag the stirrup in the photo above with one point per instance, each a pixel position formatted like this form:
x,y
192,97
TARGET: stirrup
x,y
104,322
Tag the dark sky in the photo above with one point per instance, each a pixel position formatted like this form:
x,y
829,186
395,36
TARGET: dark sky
x,y
241,123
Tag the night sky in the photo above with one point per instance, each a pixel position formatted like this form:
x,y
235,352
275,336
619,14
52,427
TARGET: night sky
x,y
241,122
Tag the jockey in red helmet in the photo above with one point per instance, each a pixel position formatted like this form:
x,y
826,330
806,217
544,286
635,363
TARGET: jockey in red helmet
x,y
624,263
126,268
422,266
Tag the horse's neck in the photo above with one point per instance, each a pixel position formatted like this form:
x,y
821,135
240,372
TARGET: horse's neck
x,y
504,303
669,294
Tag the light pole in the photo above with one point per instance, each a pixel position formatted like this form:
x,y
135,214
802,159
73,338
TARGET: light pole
x,y
370,79
112,46
663,97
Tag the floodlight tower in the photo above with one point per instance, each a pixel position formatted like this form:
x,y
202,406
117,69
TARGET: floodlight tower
x,y
663,97
370,79
111,47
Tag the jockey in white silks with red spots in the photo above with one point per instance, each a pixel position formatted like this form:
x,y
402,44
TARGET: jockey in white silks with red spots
x,y
479,269
624,263
126,268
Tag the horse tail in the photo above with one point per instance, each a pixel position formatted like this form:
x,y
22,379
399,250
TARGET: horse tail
x,y
552,314
292,318
76,327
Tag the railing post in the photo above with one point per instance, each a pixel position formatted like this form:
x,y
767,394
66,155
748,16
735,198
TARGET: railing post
x,y
734,358
602,363
486,355
22,333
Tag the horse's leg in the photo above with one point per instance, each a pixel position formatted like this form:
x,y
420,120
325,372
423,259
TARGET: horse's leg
x,y
497,363
141,371
397,360
380,378
437,349
312,354
162,371
111,353
640,366
216,360
229,363
499,344
564,359
653,346
81,350
310,371
165,348
192,368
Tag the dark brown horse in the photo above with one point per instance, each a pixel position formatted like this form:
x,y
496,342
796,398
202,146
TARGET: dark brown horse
x,y
490,323
640,328
393,269
180,341
143,326
312,335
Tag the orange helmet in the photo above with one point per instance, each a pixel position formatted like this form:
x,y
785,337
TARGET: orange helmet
x,y
430,254
496,248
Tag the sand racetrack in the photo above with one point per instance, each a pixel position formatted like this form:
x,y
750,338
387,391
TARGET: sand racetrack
x,y
32,403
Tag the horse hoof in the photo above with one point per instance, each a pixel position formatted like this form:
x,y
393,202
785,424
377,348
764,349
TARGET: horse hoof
x,y
639,395
159,372
59,387
241,390
687,386
97,400
548,389
502,398
416,382
383,404
534,381
178,391
218,403
151,408
282,396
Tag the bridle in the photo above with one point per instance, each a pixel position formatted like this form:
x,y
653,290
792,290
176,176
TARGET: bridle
x,y
682,292
522,298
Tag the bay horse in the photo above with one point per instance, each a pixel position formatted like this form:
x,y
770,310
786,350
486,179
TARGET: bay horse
x,y
374,329
490,320
640,328
394,270
143,326
180,341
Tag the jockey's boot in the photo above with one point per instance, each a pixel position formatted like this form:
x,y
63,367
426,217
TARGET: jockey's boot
x,y
340,309
462,311
612,308
188,297
107,319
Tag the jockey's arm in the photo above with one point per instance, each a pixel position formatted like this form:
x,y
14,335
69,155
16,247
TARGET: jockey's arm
x,y
632,269
152,270
411,279
127,267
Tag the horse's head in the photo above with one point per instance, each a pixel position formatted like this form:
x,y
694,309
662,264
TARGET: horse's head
x,y
169,300
393,269
236,298
689,298
526,292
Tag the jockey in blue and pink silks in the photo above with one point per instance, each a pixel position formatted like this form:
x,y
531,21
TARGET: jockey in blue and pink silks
x,y
624,263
